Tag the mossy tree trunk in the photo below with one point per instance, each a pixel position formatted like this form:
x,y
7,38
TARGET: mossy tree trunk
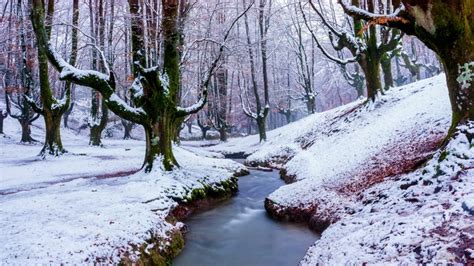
x,y
386,63
52,109
53,144
459,64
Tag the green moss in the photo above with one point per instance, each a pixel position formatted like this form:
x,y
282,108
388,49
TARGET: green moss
x,y
161,254
164,255
443,156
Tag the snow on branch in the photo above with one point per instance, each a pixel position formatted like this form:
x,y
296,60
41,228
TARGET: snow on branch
x,y
96,80
326,53
34,105
395,19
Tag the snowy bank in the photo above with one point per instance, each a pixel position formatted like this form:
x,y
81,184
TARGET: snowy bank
x,y
87,207
361,171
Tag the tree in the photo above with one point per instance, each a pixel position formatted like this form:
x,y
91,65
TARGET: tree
x,y
261,111
446,27
52,109
364,45
154,89
99,112
18,82
305,67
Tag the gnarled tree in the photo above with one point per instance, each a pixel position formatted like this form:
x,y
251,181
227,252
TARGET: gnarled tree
x,y
154,89
364,45
51,108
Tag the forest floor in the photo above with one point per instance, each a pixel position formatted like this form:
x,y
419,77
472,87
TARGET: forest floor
x,y
94,204
370,177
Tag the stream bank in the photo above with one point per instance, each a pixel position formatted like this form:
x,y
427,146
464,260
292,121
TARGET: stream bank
x,y
239,232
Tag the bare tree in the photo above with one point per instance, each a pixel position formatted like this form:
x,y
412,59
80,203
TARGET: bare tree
x,y
261,110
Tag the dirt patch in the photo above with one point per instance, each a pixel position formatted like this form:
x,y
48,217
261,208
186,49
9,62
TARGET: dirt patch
x,y
393,160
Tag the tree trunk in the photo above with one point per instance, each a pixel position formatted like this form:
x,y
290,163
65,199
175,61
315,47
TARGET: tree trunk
x,y
223,134
204,133
152,148
262,129
97,128
374,84
386,63
127,129
66,117
26,131
53,144
159,143
2,117
310,105
371,71
462,97
288,117
166,135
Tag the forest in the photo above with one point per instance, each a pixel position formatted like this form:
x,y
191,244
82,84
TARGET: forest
x,y
237,132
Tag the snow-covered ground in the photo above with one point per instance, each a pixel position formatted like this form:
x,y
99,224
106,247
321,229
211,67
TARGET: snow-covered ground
x,y
91,204
352,167
424,217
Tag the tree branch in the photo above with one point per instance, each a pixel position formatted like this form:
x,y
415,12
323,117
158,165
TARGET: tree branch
x,y
204,86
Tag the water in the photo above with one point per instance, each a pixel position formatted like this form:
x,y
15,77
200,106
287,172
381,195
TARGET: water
x,y
239,232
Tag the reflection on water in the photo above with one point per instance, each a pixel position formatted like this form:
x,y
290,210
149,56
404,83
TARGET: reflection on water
x,y
239,232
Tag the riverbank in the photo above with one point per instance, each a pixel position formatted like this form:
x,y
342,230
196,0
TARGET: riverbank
x,y
90,207
367,168
239,232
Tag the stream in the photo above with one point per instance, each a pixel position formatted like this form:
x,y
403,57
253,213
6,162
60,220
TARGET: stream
x,y
239,232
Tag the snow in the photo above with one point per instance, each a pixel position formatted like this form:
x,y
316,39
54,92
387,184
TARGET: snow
x,y
165,82
117,100
193,108
424,223
87,206
465,75
349,167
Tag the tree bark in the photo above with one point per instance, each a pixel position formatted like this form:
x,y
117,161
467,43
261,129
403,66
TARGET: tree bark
x,y
127,129
2,117
386,63
26,132
262,131
53,144
223,134
461,97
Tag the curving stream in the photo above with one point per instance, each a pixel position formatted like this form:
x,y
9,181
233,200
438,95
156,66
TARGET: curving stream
x,y
239,232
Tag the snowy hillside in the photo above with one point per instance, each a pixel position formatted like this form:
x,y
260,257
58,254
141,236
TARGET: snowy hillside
x,y
88,206
351,169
